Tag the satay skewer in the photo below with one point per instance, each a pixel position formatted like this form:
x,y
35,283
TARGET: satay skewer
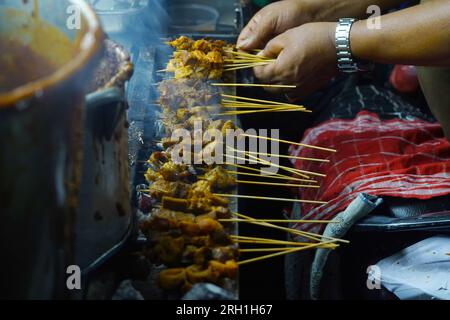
x,y
280,220
260,161
290,142
302,173
306,234
253,85
259,100
311,246
270,177
263,176
277,184
269,198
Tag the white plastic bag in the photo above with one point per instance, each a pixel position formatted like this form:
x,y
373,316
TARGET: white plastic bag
x,y
421,271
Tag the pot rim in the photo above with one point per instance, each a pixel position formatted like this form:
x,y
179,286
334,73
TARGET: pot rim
x,y
90,44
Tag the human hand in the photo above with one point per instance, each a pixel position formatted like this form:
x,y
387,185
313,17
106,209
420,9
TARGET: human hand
x,y
273,20
305,57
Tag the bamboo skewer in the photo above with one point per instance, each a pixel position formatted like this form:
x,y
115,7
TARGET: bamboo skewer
x,y
250,65
263,249
282,253
291,142
308,235
249,55
268,198
280,220
252,106
295,171
279,109
277,184
265,162
255,240
288,157
270,177
299,232
259,100
253,85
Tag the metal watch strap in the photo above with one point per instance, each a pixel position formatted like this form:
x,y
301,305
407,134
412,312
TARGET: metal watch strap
x,y
345,59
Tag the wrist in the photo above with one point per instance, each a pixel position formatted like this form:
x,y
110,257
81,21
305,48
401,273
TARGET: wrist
x,y
361,39
349,60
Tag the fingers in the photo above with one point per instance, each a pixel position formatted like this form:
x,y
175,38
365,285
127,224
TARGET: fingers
x,y
268,73
258,31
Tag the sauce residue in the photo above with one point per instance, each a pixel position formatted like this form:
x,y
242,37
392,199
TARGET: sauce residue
x,y
20,65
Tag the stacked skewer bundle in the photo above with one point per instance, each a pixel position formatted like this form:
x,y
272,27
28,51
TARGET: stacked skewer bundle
x,y
191,228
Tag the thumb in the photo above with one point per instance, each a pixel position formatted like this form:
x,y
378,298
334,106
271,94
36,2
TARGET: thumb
x,y
273,48
257,32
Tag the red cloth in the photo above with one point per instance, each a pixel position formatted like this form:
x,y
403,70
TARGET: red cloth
x,y
409,159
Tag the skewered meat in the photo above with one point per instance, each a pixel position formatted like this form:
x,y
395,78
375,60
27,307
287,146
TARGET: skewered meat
x,y
219,178
201,59
187,93
215,272
185,43
162,188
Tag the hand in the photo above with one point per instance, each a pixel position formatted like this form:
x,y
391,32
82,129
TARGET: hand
x,y
305,57
273,20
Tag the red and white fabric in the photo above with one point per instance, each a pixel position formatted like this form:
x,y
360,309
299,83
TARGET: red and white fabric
x,y
398,158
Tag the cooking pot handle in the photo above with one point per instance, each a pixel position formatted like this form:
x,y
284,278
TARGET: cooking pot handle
x,y
104,109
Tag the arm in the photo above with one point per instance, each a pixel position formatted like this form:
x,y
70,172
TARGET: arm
x,y
306,55
418,35
280,16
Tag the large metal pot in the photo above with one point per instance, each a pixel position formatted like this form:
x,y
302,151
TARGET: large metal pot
x,y
47,50
104,219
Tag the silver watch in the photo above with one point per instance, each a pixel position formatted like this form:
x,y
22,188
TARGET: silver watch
x,y
345,60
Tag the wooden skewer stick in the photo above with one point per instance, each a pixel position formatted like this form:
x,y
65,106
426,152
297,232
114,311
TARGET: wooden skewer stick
x,y
281,109
283,252
253,106
278,184
245,66
288,157
267,109
279,220
268,198
261,175
292,170
253,85
271,164
270,177
248,55
260,100
255,240
291,142
306,234
264,249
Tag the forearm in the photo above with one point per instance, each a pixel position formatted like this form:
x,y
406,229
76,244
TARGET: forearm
x,y
332,10
419,35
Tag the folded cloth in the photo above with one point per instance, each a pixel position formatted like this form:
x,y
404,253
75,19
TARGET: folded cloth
x,y
397,158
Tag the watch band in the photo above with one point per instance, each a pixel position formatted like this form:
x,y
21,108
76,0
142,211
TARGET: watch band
x,y
345,59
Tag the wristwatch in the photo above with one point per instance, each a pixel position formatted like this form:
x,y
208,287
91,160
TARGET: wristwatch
x,y
345,60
